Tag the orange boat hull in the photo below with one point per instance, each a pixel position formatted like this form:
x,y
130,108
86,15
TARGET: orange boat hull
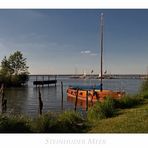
x,y
93,95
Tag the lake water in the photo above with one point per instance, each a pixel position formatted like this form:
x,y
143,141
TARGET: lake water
x,y
24,100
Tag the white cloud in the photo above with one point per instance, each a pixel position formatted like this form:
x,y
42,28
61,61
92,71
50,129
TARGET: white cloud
x,y
86,52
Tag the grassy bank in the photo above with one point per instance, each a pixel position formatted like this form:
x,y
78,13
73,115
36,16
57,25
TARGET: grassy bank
x,y
132,120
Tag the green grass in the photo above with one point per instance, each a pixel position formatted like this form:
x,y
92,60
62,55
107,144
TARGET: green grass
x,y
134,120
128,101
101,110
66,122
14,124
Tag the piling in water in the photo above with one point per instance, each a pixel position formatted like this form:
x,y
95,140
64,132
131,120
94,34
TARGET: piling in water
x,y
3,99
40,103
62,95
76,99
87,100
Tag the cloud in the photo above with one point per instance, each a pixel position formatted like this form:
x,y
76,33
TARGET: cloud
x,y
86,52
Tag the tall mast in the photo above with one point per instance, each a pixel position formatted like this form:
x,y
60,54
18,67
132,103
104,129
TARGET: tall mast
x,y
101,46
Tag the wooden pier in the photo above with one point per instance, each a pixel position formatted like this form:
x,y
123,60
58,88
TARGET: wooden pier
x,y
44,81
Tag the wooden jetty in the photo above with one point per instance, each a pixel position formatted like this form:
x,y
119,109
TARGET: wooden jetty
x,y
43,81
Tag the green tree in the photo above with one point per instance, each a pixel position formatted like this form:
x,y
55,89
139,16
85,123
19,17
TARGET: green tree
x,y
14,70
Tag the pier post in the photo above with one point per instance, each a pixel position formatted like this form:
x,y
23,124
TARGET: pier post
x,y
40,102
4,100
62,95
76,99
36,80
43,81
87,100
55,80
48,79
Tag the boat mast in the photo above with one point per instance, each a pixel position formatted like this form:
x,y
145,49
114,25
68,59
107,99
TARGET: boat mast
x,y
101,46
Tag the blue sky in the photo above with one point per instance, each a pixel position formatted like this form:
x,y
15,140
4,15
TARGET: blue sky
x,y
68,41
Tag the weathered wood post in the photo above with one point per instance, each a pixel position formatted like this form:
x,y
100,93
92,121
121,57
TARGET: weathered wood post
x,y
55,80
4,100
48,80
76,99
40,102
87,100
36,80
62,95
43,81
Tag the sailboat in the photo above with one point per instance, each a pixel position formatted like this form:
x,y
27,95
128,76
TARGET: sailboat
x,y
95,92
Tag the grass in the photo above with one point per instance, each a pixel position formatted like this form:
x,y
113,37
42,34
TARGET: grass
x,y
66,122
101,110
14,124
128,101
134,120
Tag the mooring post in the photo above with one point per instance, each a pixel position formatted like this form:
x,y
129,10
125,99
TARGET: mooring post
x,y
76,99
40,102
36,80
62,95
87,100
48,80
55,80
4,100
43,81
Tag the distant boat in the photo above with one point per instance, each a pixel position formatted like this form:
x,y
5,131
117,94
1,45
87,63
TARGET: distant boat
x,y
95,93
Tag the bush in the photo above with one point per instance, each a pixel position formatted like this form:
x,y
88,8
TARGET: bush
x,y
144,87
102,110
128,101
14,124
144,95
71,122
46,123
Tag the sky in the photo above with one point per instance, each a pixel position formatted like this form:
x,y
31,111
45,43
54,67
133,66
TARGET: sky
x,y
67,41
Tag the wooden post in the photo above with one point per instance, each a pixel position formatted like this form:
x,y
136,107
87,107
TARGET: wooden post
x,y
40,102
48,80
36,80
62,95
76,99
4,100
87,100
55,79
43,81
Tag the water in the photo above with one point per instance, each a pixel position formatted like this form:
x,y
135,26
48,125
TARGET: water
x,y
24,100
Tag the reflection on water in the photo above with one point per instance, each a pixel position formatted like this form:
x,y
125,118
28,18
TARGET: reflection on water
x,y
25,100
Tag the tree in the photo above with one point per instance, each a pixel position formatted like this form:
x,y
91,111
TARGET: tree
x,y
14,69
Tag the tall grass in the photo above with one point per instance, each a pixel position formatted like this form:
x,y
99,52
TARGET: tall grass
x,y
70,121
144,89
102,110
66,122
128,101
14,124
47,123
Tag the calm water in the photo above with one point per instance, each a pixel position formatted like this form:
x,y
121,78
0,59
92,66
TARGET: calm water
x,y
25,100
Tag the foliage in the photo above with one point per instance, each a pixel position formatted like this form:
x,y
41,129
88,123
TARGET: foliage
x,y
144,87
14,124
71,122
128,101
14,71
133,120
47,123
102,110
